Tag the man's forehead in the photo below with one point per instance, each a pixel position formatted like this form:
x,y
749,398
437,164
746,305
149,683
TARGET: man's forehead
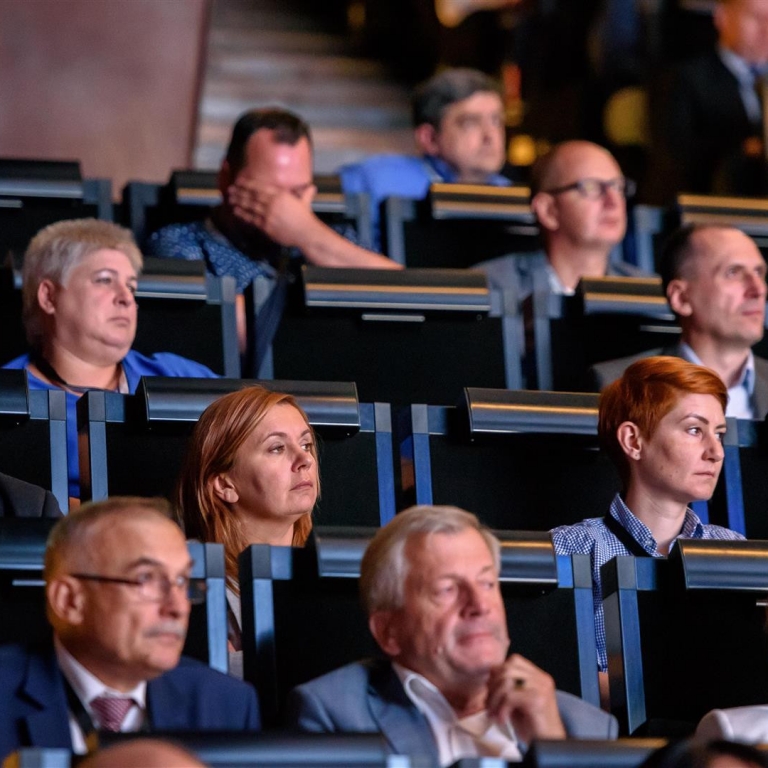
x,y
263,149
446,551
581,161
126,537
478,102
714,247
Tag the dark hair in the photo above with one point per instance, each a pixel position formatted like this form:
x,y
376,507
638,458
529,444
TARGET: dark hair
x,y
692,754
433,97
287,127
678,248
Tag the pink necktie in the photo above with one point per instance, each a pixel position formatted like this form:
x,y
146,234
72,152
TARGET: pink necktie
x,y
111,711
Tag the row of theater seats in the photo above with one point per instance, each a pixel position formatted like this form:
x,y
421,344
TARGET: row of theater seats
x,y
444,230
345,751
519,459
685,635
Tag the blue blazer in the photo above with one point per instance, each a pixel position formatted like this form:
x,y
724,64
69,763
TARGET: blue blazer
x,y
368,697
192,696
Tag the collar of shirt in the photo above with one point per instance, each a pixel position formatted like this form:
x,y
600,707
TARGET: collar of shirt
x,y
692,527
87,686
741,393
440,171
454,738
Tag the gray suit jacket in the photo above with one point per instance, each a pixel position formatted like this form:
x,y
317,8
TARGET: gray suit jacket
x,y
748,724
367,697
603,374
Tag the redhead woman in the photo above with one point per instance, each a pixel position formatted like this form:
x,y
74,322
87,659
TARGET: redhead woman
x,y
662,423
249,477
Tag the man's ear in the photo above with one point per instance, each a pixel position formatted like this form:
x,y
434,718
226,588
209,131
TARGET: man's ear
x,y
630,440
544,207
66,600
677,296
426,139
225,489
383,626
46,296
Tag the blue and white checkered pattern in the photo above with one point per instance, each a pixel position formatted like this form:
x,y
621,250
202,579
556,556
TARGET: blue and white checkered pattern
x,y
593,537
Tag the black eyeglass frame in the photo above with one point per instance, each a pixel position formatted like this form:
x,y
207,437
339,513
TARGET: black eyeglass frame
x,y
195,588
628,191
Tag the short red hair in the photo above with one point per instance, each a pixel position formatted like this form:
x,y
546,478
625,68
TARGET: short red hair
x,y
649,389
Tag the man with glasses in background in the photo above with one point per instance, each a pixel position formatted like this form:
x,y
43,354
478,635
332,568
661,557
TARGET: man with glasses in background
x,y
117,585
578,195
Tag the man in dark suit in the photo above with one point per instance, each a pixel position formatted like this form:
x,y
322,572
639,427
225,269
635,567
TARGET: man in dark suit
x,y
429,581
711,118
117,583
714,280
20,499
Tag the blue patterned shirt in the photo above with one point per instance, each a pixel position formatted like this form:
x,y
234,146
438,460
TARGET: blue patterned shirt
x,y
202,241
593,537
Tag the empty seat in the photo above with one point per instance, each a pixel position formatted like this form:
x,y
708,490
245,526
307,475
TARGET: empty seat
x,y
532,458
686,635
458,225
402,336
33,439
35,193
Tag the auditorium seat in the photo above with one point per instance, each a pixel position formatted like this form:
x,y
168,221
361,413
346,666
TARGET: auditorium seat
x,y
458,225
402,336
190,194
686,634
33,440
573,753
532,458
134,444
35,193
302,615
608,318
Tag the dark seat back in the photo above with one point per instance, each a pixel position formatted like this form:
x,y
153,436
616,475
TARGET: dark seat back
x,y
532,457
685,635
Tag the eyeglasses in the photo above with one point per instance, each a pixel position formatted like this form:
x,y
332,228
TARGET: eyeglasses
x,y
153,586
594,189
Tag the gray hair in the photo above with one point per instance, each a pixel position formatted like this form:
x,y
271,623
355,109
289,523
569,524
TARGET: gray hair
x,y
71,532
56,250
384,567
432,98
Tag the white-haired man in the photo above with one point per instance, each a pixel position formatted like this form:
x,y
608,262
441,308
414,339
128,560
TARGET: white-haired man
x,y
429,582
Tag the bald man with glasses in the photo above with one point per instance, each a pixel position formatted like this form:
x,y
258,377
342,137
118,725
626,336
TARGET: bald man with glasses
x,y
118,594
578,195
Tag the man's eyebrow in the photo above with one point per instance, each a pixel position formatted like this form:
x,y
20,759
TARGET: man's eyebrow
x,y
145,561
453,575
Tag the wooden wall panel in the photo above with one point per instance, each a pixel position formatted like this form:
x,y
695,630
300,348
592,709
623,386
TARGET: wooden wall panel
x,y
113,83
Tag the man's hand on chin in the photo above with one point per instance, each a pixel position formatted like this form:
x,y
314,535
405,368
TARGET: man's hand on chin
x,y
522,693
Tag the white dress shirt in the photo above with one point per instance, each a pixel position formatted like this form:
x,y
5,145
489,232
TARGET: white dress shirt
x,y
87,687
472,736
741,394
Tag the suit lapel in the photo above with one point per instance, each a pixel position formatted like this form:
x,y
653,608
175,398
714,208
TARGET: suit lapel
x,y
402,725
167,705
44,687
761,388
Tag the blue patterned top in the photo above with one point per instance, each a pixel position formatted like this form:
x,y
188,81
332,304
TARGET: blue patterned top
x,y
201,241
592,537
